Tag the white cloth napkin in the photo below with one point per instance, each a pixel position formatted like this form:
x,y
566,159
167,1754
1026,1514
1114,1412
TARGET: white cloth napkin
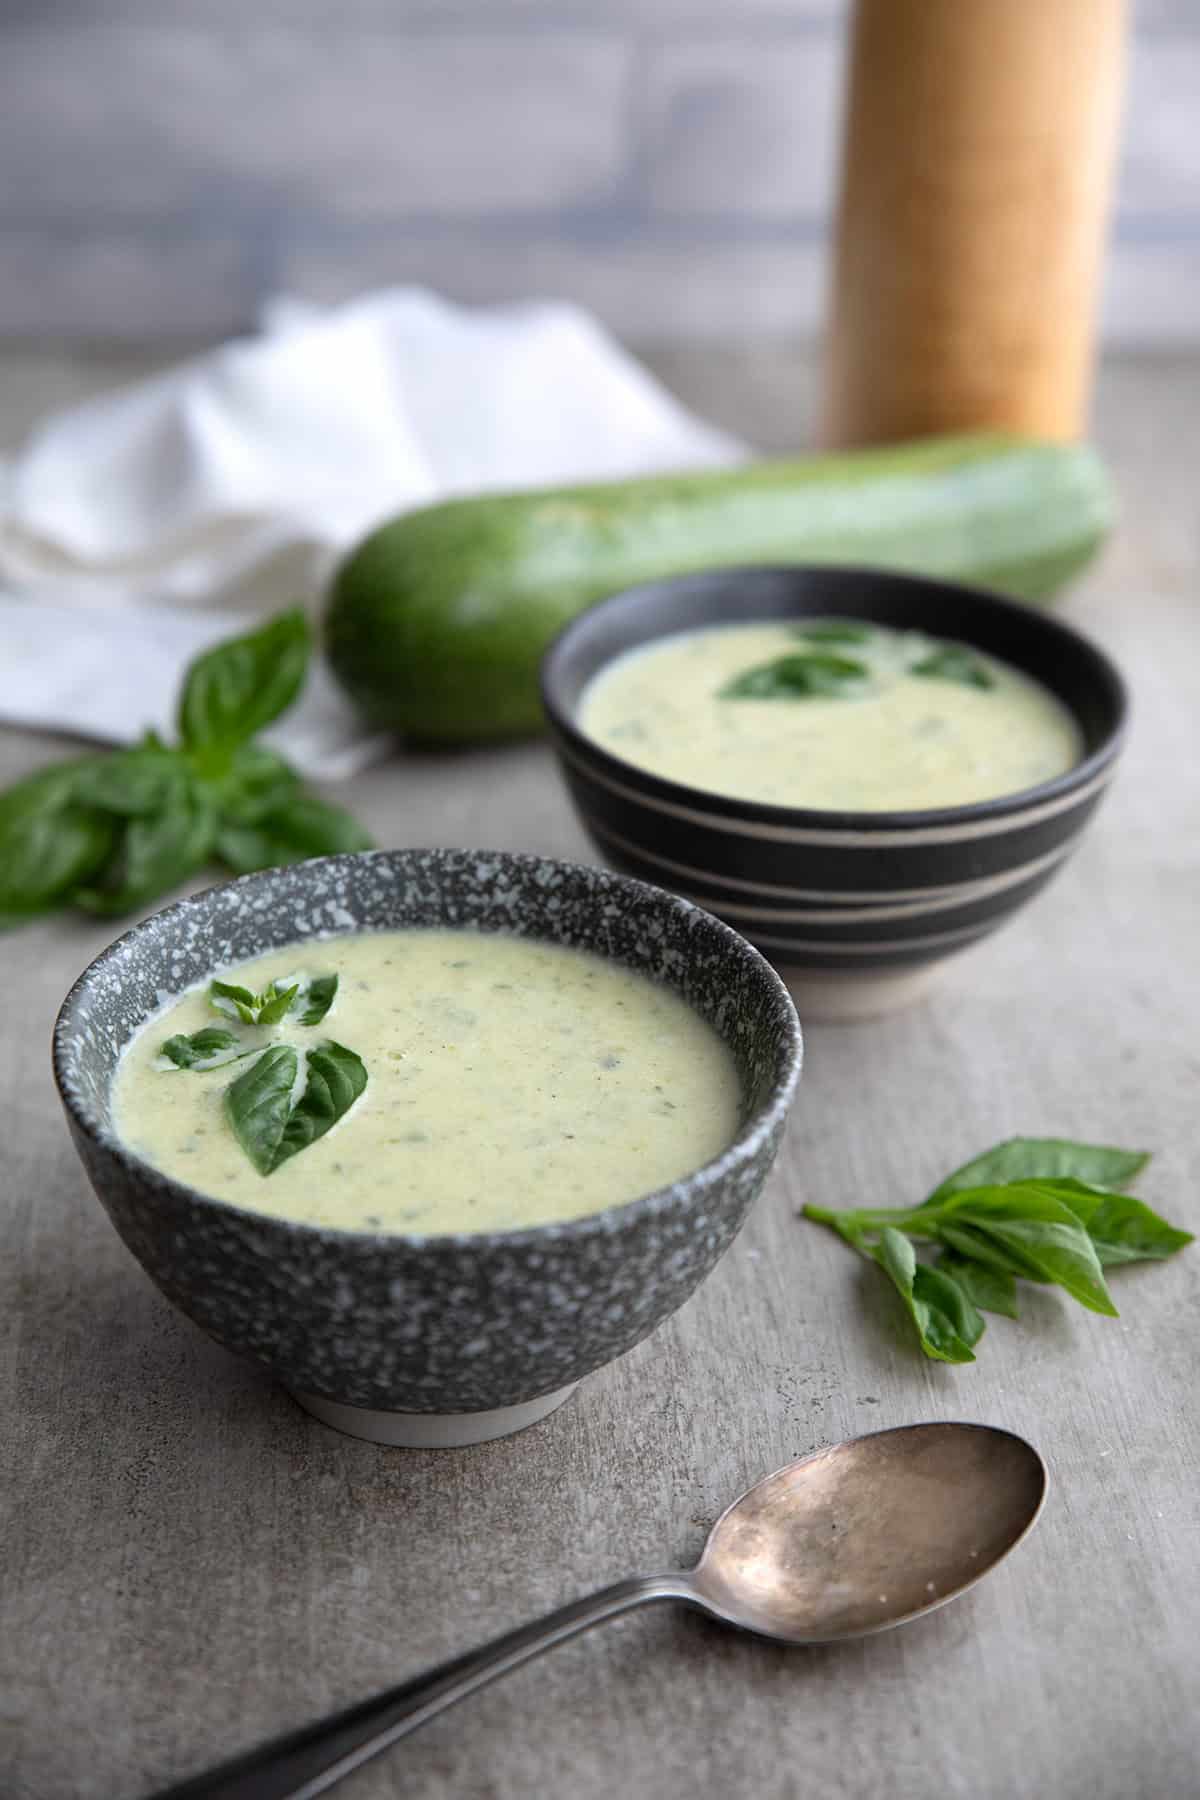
x,y
141,526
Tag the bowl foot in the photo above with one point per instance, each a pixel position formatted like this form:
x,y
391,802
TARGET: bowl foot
x,y
842,996
431,1431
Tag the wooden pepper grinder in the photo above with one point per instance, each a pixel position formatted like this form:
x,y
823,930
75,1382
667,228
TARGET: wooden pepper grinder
x,y
977,163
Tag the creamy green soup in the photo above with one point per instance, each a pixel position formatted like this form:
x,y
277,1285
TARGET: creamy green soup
x,y
839,715
508,1083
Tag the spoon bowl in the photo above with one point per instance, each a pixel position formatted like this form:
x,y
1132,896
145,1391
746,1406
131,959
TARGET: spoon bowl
x,y
870,1533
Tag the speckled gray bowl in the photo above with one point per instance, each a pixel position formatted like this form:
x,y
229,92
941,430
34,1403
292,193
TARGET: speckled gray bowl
x,y
430,1340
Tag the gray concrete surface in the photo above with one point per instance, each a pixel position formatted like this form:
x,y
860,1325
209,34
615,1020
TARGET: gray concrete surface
x,y
188,1562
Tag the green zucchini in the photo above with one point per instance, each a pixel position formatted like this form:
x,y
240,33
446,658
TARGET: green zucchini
x,y
436,622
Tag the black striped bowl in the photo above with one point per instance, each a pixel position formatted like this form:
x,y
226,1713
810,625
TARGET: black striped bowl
x,y
854,909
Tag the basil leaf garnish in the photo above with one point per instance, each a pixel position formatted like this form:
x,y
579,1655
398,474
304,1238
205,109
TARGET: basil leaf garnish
x,y
260,1109
1045,1223
947,1320
234,1001
336,1077
234,690
275,1002
310,998
259,1103
316,998
950,662
206,1049
799,675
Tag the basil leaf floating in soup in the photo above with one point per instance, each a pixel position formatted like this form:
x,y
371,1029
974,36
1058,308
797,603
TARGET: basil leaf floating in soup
x,y
950,662
834,631
259,1104
307,998
234,1001
275,1002
206,1049
798,676
316,998
336,1077
269,1124
899,740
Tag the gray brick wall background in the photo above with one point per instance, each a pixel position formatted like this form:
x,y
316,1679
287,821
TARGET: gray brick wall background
x,y
165,164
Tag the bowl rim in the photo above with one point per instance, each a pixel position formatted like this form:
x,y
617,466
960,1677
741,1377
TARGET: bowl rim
x,y
834,821
608,1221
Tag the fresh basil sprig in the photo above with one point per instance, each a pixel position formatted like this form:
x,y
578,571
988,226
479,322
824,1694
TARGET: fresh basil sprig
x,y
267,1008
310,997
1032,1209
269,1122
800,675
113,831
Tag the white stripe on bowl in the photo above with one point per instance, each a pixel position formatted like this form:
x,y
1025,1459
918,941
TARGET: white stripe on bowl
x,y
832,947
929,899
848,839
862,915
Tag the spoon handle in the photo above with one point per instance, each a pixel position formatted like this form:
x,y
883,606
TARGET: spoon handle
x,y
308,1761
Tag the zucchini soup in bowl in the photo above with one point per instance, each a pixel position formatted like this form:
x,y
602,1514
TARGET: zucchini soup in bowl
x,y
840,714
865,772
440,1081
430,1135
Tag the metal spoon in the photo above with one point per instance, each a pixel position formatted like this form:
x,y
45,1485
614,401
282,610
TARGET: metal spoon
x,y
849,1541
